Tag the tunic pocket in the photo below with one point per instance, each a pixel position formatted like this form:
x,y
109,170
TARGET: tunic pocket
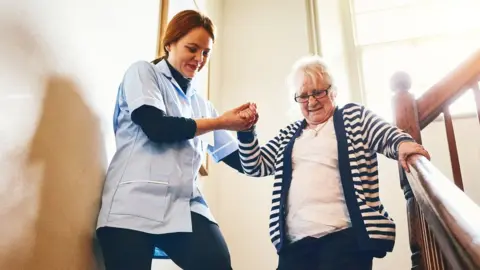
x,y
141,198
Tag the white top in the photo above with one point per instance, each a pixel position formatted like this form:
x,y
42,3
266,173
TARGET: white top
x,y
316,204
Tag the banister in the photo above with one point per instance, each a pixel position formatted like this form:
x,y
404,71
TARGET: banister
x,y
452,216
448,89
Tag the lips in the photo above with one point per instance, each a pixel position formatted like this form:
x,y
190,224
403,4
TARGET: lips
x,y
192,67
315,109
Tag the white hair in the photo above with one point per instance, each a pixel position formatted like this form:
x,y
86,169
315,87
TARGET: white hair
x,y
312,66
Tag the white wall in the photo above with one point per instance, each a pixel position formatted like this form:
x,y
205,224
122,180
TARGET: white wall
x,y
61,64
261,40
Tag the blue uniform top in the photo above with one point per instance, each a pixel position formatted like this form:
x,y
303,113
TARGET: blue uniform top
x,y
151,187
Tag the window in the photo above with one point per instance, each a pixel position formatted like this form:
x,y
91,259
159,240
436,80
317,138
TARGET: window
x,y
425,38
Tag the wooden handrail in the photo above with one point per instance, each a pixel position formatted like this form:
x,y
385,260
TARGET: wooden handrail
x,y
448,89
451,215
443,223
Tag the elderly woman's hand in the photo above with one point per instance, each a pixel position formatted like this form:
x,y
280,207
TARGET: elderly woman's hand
x,y
231,120
407,149
250,114
240,118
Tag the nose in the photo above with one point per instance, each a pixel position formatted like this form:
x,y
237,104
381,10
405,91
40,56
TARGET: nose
x,y
312,100
199,57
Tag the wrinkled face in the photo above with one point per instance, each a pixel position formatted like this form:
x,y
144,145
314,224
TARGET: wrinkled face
x,y
316,100
189,54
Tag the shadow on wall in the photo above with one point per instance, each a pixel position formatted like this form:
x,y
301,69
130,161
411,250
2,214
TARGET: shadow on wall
x,y
51,181
68,143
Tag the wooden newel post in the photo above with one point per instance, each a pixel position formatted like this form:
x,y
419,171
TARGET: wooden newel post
x,y
405,105
406,118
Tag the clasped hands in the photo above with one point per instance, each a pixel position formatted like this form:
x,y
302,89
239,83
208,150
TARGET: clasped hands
x,y
241,118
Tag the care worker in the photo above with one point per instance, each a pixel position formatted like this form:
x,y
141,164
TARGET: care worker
x,y
150,196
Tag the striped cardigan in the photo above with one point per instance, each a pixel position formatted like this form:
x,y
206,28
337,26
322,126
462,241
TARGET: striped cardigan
x,y
360,135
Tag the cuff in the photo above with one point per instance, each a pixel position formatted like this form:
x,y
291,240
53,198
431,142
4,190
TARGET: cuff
x,y
399,142
224,151
246,135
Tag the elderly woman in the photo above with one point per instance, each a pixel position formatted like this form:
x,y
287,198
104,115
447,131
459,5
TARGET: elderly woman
x,y
326,212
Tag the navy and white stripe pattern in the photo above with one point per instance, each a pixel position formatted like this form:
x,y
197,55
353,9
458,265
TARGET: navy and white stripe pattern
x,y
365,135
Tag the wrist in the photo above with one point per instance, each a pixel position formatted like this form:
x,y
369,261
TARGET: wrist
x,y
246,136
219,122
251,129
402,142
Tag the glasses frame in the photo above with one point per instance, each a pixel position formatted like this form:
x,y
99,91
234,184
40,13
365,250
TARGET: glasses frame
x,y
313,95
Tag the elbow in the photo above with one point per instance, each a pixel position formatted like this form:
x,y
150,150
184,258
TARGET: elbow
x,y
159,137
154,138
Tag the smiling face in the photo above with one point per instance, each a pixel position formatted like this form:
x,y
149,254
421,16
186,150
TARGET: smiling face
x,y
190,53
316,98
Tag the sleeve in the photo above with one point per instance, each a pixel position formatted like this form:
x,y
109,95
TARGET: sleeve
x,y
258,161
382,137
161,128
223,142
140,86
233,161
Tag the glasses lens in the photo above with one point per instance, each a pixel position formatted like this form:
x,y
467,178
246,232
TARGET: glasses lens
x,y
320,94
301,99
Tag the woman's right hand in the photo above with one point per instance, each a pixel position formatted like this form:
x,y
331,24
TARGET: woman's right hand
x,y
240,118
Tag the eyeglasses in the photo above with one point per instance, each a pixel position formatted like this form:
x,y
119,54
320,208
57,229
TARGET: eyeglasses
x,y
316,94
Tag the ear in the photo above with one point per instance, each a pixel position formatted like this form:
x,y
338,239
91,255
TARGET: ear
x,y
333,93
167,48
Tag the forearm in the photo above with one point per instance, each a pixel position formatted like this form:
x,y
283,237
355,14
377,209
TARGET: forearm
x,y
382,137
255,160
205,125
161,128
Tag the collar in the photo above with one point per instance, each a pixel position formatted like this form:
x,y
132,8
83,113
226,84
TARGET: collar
x,y
165,70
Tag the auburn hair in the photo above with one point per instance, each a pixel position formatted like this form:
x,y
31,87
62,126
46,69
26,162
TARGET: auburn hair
x,y
181,24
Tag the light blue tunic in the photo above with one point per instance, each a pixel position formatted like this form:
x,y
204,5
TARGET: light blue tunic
x,y
151,187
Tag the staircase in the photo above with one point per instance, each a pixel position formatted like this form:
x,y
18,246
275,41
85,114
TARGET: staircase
x,y
443,222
